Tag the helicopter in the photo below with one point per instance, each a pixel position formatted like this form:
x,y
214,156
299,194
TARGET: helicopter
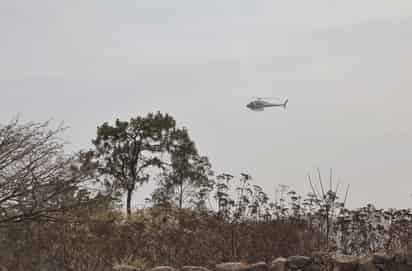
x,y
260,103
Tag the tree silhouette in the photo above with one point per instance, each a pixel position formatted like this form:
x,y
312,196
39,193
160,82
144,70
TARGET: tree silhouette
x,y
37,180
128,152
187,174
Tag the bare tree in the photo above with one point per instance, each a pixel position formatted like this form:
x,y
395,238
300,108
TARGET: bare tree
x,y
36,179
327,201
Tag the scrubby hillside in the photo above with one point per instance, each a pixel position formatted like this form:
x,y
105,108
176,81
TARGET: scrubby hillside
x,y
65,212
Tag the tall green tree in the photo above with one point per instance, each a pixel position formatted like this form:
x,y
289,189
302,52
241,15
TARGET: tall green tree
x,y
128,150
188,174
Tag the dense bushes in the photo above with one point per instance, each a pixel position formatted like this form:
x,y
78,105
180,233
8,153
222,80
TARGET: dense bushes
x,y
176,237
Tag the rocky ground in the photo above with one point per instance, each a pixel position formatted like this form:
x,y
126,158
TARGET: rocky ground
x,y
317,262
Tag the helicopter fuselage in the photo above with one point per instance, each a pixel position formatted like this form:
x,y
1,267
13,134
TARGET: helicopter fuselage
x,y
259,105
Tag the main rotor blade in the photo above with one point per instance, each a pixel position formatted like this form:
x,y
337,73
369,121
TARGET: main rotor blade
x,y
266,98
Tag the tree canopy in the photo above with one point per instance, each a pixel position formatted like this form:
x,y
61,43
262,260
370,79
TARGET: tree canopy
x,y
129,151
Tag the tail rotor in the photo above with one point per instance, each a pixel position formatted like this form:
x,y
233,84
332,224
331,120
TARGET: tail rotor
x,y
285,103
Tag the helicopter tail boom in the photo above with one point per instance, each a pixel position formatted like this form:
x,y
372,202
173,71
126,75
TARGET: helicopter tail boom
x,y
285,103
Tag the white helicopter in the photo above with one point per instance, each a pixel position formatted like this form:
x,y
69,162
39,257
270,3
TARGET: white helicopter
x,y
259,104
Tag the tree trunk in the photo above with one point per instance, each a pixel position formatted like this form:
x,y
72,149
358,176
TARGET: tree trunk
x,y
234,254
181,197
129,202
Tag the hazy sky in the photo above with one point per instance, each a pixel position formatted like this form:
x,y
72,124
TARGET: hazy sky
x,y
344,65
